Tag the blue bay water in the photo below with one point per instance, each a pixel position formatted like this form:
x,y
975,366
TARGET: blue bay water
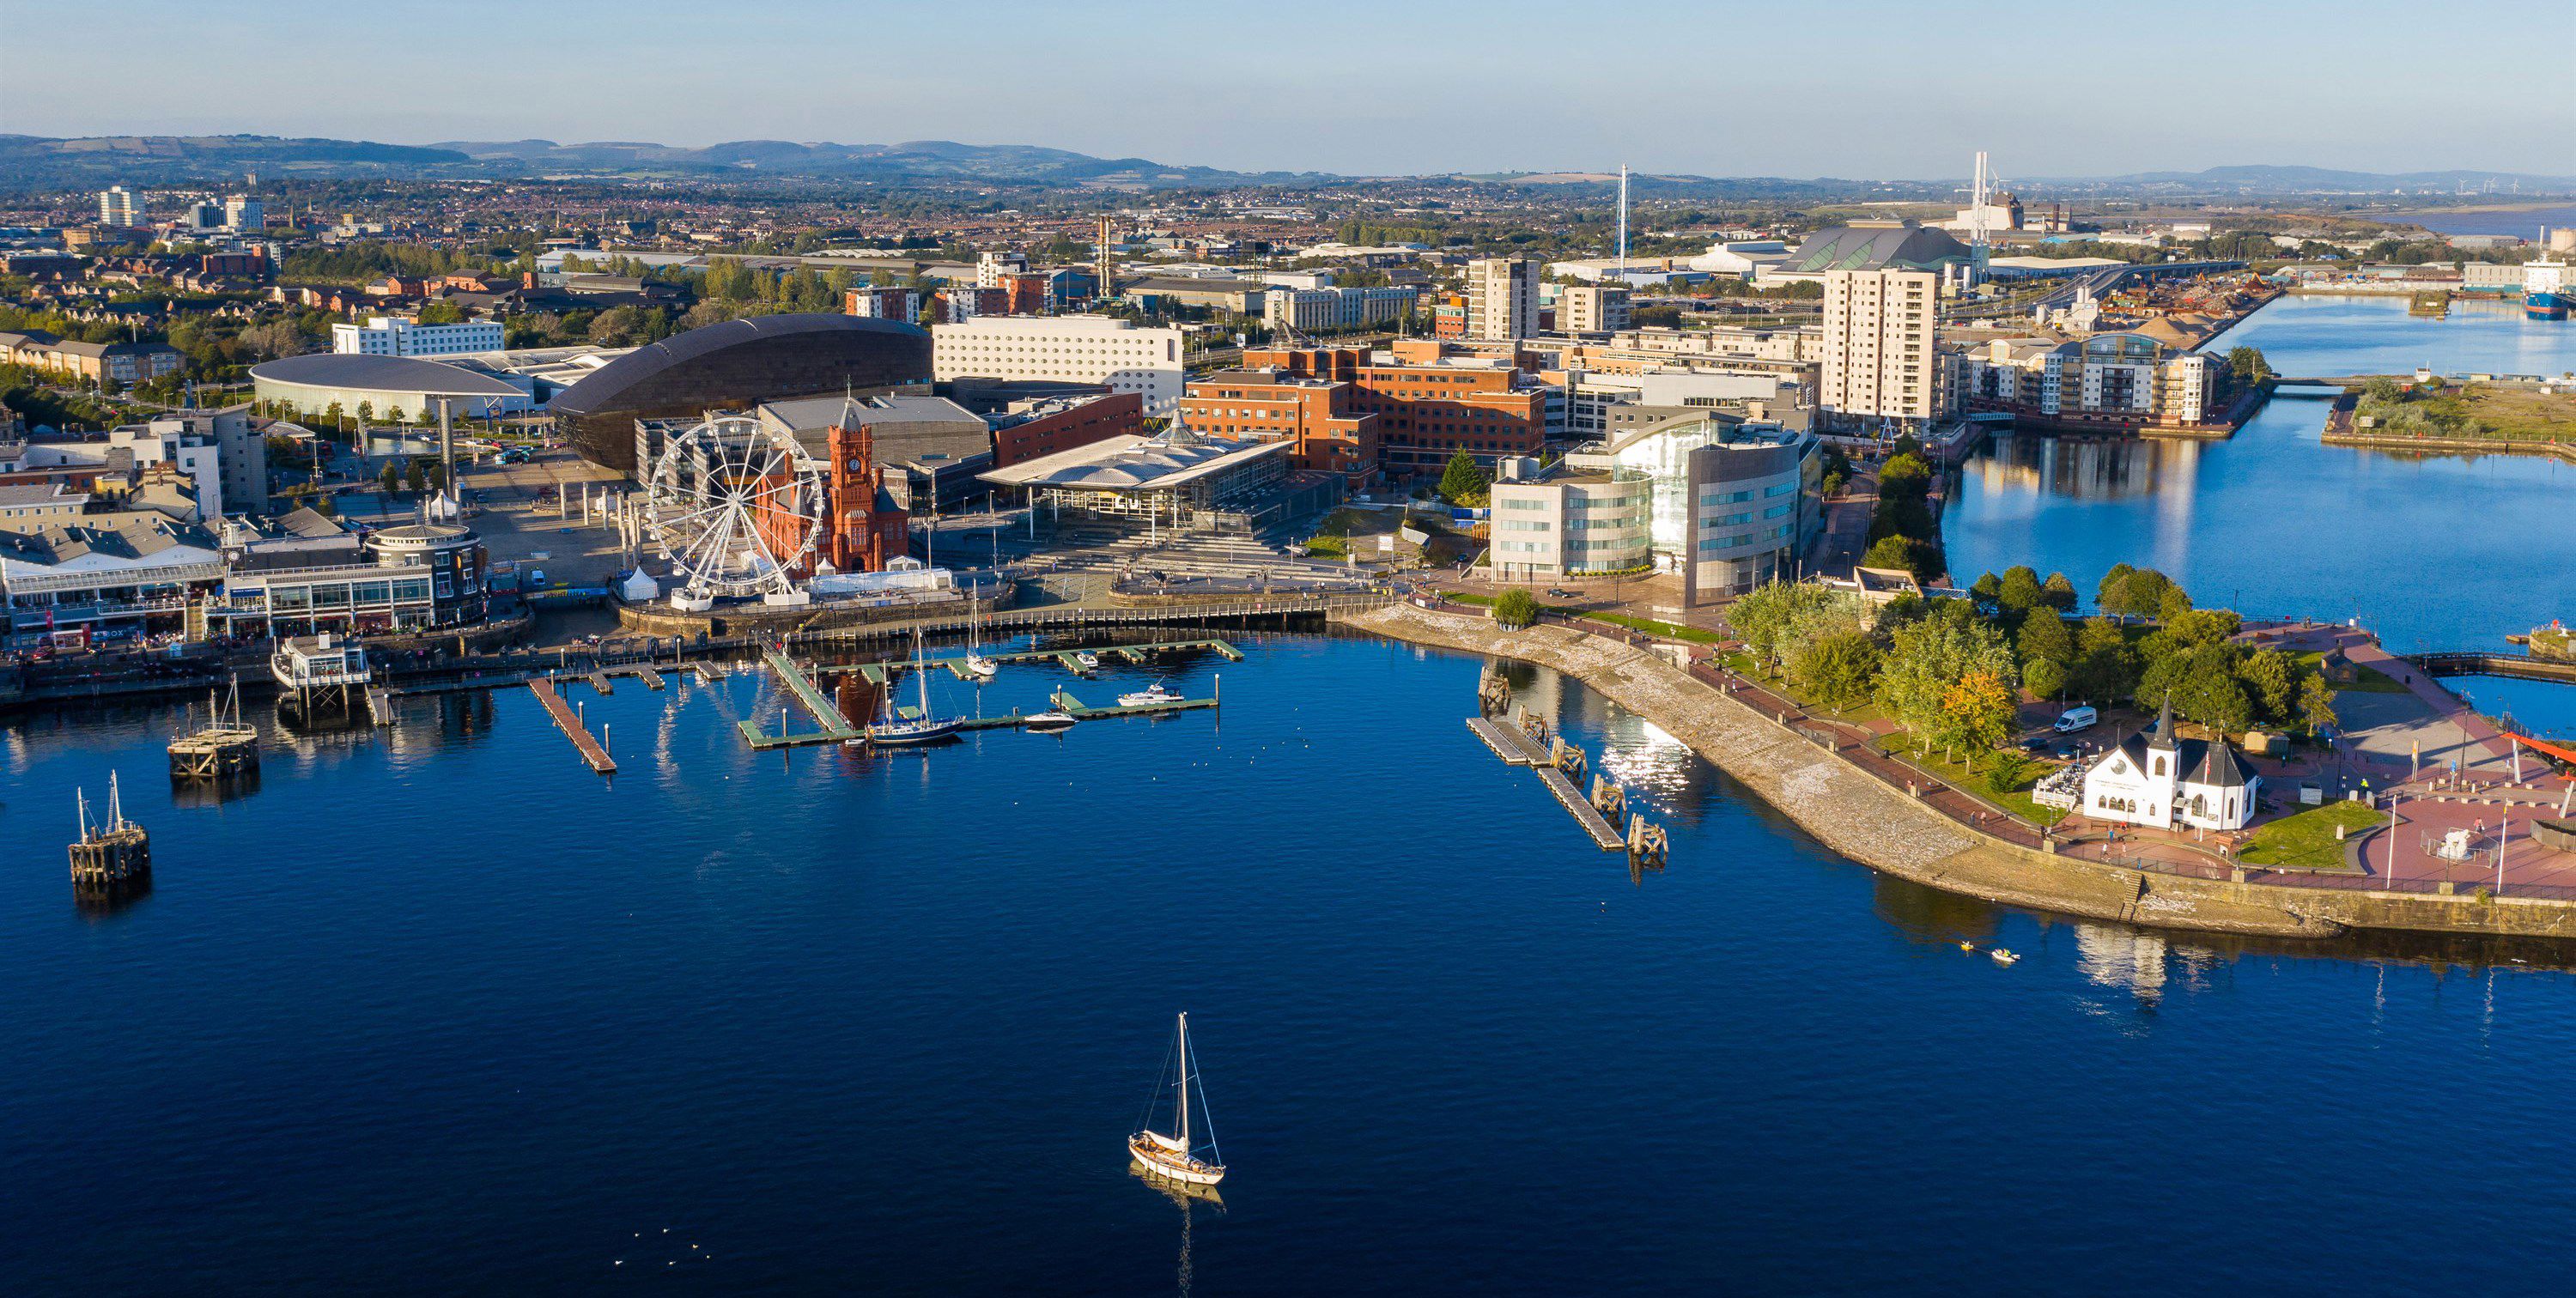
x,y
2438,552
435,1010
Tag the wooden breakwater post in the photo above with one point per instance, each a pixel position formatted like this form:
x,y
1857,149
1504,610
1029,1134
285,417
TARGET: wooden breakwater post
x,y
112,860
222,749
1609,799
1647,843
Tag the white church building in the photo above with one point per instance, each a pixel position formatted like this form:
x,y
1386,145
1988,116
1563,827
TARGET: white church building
x,y
2153,779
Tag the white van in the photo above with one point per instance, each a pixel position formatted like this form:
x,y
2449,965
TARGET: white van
x,y
2074,719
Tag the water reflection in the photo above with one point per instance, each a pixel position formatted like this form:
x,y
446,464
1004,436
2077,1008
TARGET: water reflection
x,y
1191,1200
2082,467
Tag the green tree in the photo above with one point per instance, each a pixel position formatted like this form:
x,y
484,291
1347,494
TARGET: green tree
x,y
2021,592
2200,681
1462,483
2316,703
1920,558
441,312
2105,668
326,505
2246,365
2271,678
1926,660
2044,638
1837,669
390,477
2058,592
2045,678
414,476
1762,616
1986,589
1516,608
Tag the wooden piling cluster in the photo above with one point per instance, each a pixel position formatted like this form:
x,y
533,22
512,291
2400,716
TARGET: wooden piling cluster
x,y
111,860
223,748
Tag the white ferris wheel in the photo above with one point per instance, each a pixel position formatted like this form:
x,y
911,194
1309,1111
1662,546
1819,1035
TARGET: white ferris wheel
x,y
736,508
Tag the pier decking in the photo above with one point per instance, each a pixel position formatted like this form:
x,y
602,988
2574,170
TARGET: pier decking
x,y
1519,749
833,728
1079,711
955,664
569,722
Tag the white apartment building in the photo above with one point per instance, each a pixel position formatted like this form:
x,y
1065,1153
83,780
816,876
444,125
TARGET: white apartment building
x,y
243,212
1569,522
1064,349
400,336
1334,308
1880,368
1592,309
119,206
992,267
1502,297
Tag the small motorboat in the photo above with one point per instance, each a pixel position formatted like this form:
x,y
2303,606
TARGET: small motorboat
x,y
1969,947
1152,694
1047,721
1087,660
2003,956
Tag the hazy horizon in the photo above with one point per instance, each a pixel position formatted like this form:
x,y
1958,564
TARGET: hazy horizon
x,y
1862,90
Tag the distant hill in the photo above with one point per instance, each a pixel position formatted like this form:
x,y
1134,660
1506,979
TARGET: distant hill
x,y
29,162
2323,180
36,162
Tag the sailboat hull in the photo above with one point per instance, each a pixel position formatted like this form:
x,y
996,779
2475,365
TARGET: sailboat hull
x,y
1170,1166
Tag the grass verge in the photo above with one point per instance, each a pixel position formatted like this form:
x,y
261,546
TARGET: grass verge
x,y
2005,795
2307,841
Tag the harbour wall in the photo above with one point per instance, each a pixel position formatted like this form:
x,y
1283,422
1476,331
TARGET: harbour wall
x,y
1880,827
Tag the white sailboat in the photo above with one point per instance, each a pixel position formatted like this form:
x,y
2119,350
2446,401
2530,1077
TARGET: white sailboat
x,y
1175,1157
891,729
977,665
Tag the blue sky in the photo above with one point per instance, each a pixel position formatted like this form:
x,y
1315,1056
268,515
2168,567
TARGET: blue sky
x,y
1857,88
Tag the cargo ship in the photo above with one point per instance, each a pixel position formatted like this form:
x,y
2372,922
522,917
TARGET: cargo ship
x,y
2546,289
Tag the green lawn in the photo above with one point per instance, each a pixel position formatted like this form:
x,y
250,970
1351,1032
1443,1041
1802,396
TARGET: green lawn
x,y
1667,630
2371,681
2306,841
2014,798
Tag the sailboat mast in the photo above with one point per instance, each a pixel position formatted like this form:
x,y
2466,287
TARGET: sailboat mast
x,y
1185,1085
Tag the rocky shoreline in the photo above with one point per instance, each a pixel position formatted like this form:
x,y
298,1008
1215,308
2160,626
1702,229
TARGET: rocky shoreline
x,y
1880,827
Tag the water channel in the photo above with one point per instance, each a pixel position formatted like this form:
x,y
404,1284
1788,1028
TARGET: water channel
x,y
2432,552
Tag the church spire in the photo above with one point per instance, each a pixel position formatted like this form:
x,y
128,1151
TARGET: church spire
x,y
2164,725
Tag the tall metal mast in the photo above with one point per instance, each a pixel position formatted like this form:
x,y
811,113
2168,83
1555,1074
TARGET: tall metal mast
x,y
1185,1085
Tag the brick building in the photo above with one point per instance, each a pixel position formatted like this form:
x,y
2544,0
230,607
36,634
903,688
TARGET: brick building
x,y
1036,428
1352,414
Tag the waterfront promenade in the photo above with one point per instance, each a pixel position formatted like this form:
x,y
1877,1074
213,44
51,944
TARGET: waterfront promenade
x,y
1827,774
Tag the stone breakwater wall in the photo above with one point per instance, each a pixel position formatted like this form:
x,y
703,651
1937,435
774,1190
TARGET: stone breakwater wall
x,y
1864,819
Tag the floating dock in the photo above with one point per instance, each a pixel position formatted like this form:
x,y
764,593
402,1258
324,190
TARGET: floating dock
x,y
1603,836
1079,711
569,722
955,664
1509,744
833,727
1519,749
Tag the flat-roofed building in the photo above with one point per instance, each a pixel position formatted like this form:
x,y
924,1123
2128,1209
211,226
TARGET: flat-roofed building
x,y
1732,503
1069,349
1592,309
1502,297
1880,368
1566,521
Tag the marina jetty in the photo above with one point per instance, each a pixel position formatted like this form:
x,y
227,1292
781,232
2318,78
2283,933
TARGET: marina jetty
x,y
1917,833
